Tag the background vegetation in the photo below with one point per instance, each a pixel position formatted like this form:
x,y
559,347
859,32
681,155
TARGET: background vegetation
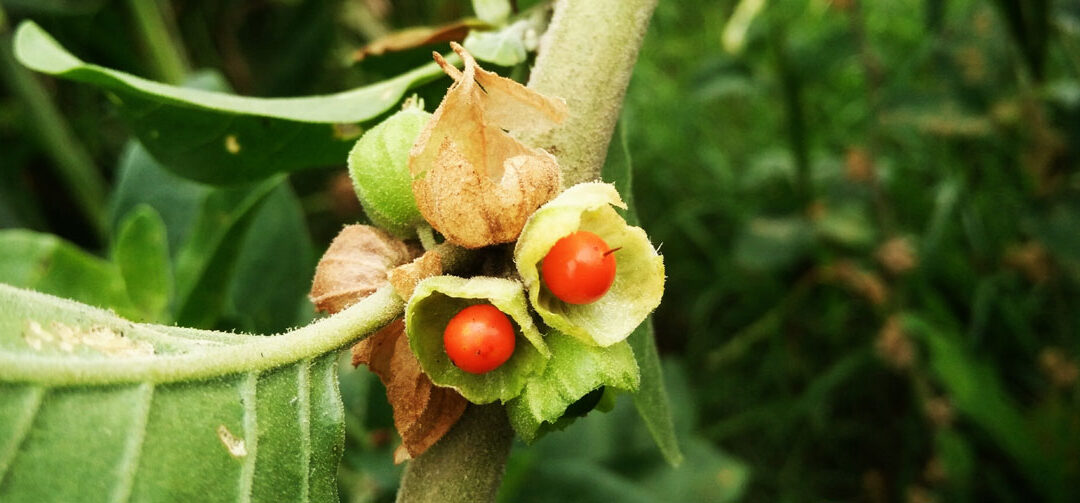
x,y
868,212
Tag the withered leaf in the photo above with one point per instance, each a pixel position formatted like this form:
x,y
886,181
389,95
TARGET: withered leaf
x,y
355,265
473,181
405,277
411,38
423,412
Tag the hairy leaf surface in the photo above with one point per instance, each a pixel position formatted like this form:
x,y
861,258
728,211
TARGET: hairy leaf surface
x,y
97,408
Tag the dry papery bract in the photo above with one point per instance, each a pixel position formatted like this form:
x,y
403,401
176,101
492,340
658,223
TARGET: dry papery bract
x,y
404,278
355,265
423,412
473,181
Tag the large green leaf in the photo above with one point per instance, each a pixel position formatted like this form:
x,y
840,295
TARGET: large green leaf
x,y
223,138
96,408
46,263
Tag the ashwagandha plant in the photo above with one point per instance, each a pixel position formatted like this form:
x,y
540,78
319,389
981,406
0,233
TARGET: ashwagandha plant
x,y
503,292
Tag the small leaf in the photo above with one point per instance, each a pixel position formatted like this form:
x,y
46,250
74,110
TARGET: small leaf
x,y
48,264
142,254
639,271
505,47
223,138
440,298
651,400
423,413
474,182
355,266
574,370
493,12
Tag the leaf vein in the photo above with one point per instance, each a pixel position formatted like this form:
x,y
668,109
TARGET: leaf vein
x,y
303,383
248,395
22,430
129,463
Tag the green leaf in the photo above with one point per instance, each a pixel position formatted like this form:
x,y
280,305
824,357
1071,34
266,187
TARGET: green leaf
x,y
574,370
205,417
274,267
978,393
205,264
437,299
141,252
505,47
46,263
244,252
142,180
493,12
223,138
651,399
639,276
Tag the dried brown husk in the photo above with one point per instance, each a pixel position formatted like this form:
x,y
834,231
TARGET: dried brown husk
x,y
355,265
411,38
423,412
473,181
404,278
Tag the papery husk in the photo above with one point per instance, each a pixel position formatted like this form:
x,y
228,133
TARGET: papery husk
x,y
355,265
423,412
474,182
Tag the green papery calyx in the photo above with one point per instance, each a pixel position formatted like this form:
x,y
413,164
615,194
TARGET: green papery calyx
x,y
574,370
437,299
639,270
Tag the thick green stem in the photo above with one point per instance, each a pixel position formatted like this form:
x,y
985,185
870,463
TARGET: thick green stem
x,y
586,57
156,31
74,165
466,465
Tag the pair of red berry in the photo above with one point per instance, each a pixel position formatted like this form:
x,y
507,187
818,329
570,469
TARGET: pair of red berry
x,y
579,269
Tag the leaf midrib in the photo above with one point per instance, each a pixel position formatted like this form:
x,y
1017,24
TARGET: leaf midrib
x,y
261,354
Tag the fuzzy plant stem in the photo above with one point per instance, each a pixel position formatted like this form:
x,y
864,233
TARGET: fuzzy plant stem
x,y
466,465
586,57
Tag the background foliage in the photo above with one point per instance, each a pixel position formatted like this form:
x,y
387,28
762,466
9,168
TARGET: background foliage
x,y
868,214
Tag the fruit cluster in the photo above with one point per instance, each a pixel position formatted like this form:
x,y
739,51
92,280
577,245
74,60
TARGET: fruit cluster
x,y
548,329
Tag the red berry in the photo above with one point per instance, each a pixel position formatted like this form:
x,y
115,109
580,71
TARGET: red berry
x,y
579,269
479,339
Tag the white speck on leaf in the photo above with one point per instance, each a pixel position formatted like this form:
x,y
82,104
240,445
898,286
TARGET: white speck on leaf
x,y
68,338
234,445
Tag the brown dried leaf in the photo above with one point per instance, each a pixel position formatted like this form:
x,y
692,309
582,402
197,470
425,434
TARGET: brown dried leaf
x,y
473,181
423,412
411,38
405,277
355,265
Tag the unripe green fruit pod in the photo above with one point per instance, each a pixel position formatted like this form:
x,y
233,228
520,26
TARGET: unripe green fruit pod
x,y
437,299
379,167
639,270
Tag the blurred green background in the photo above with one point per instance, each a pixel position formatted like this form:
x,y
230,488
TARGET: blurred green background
x,y
868,212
